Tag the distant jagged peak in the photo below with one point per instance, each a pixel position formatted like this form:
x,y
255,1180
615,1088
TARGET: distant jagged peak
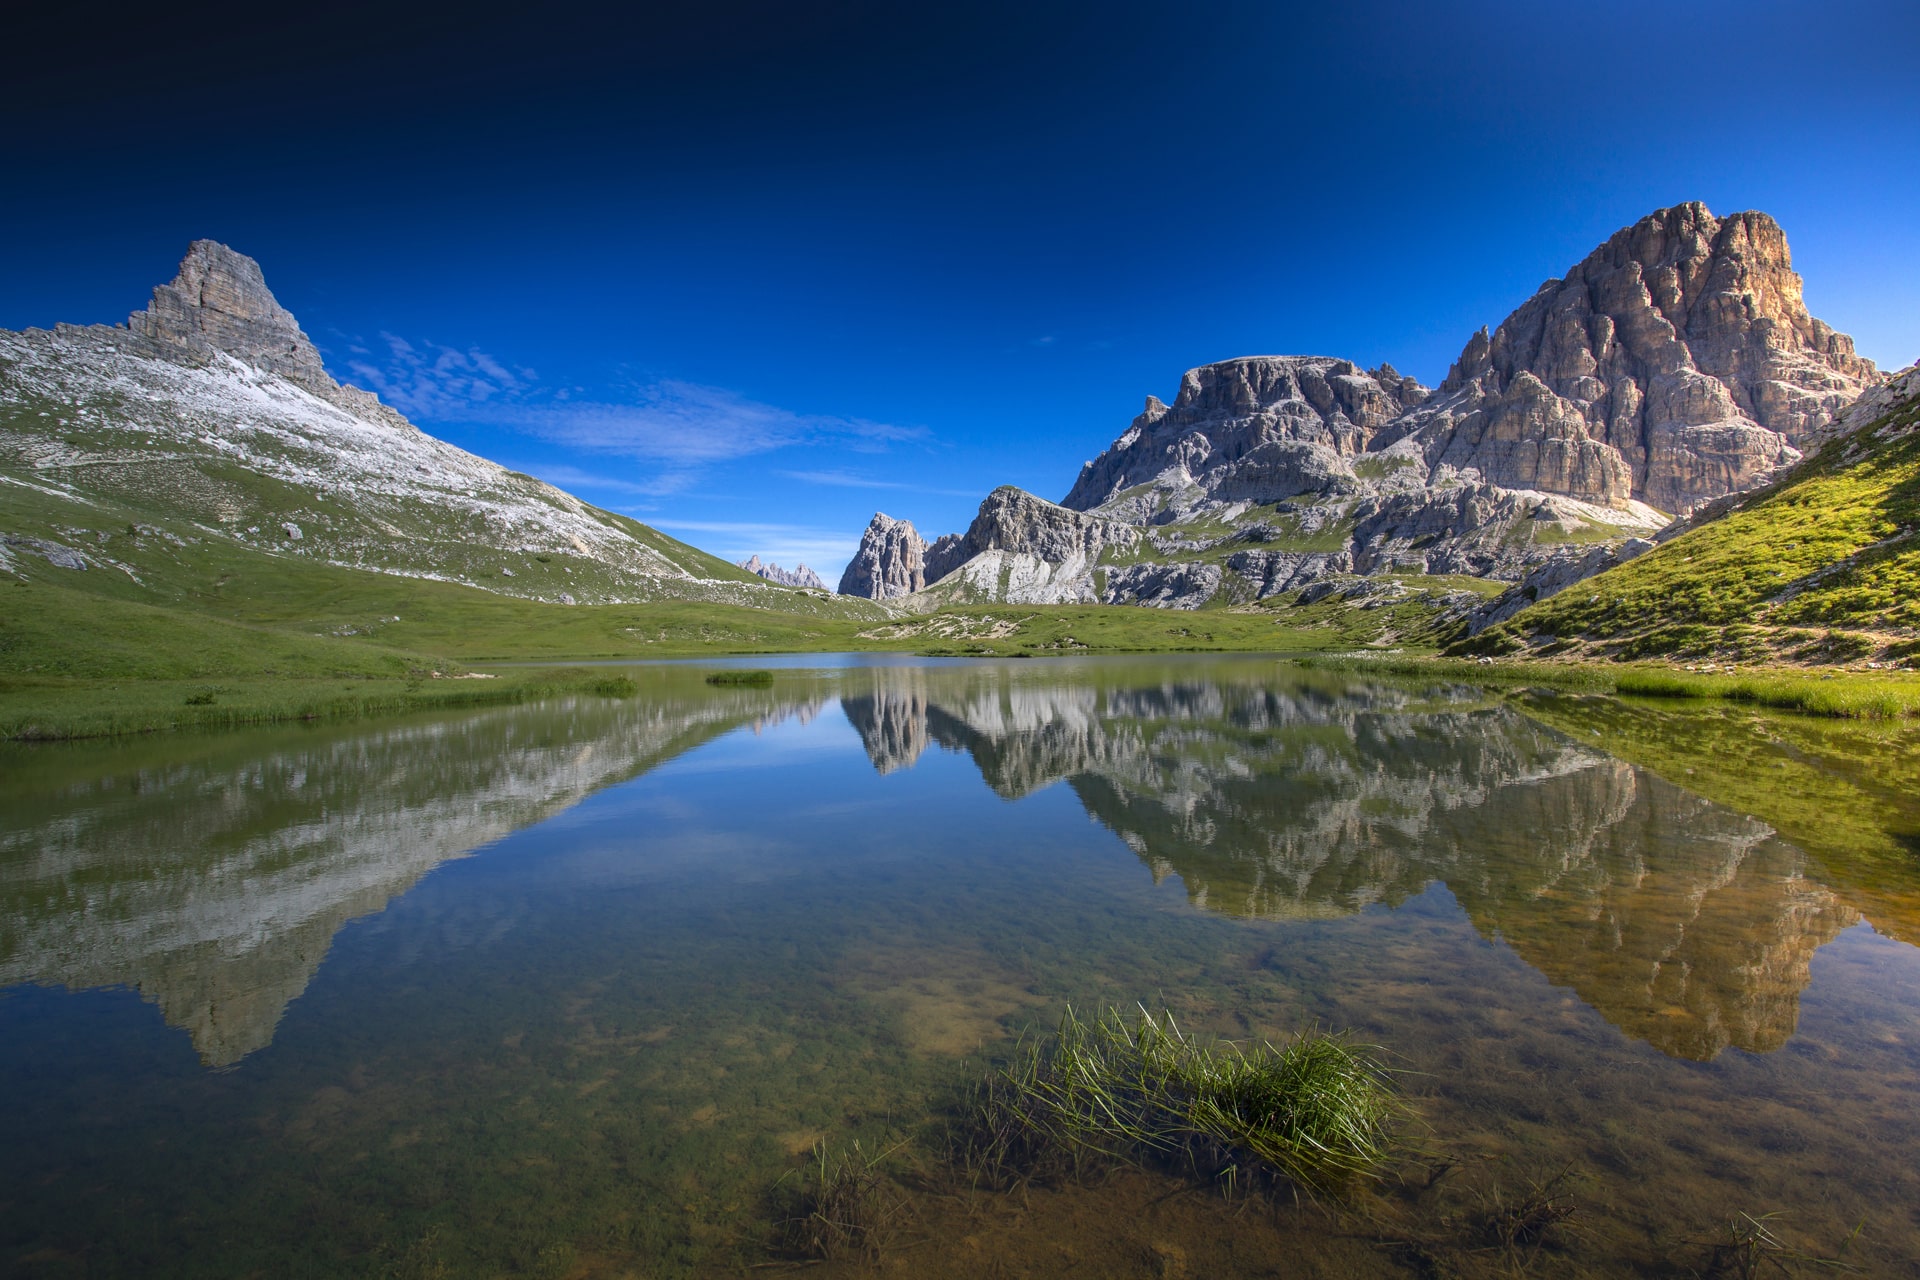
x,y
798,576
1230,408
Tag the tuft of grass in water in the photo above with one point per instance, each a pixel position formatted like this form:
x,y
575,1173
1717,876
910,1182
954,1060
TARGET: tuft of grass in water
x,y
1524,1221
741,677
1751,1249
848,1209
1319,1113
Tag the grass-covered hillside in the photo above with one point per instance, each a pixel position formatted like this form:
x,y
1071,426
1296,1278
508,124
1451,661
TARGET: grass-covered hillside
x,y
118,617
225,452
1821,566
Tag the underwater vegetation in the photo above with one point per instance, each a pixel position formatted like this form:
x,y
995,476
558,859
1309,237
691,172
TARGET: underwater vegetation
x,y
741,677
1320,1113
847,1207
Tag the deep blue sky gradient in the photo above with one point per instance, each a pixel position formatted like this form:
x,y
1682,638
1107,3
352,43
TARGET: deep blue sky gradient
x,y
752,270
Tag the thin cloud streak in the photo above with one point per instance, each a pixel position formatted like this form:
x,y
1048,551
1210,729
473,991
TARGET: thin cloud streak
x,y
846,480
669,421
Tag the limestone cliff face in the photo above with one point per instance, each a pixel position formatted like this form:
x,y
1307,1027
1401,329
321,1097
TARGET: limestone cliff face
x,y
1019,548
1271,425
219,301
891,561
1675,364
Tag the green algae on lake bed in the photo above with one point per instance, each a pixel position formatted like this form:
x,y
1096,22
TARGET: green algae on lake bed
x,y
570,988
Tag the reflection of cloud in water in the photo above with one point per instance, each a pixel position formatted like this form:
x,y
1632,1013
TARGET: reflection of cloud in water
x,y
215,883
1684,924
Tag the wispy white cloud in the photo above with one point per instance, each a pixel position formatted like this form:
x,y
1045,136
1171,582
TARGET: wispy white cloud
x,y
430,380
671,422
847,480
581,480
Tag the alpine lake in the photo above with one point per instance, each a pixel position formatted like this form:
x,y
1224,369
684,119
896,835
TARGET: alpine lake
x,y
589,987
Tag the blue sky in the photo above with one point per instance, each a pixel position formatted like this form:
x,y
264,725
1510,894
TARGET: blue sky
x,y
751,271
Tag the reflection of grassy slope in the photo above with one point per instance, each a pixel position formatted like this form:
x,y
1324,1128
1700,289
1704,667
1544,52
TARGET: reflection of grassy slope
x,y
1848,794
1832,545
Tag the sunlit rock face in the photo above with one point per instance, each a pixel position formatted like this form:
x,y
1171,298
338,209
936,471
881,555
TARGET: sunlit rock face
x,y
1259,427
215,886
1675,364
1684,924
890,561
1019,549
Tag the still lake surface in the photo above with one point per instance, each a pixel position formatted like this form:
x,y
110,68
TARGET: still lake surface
x,y
573,988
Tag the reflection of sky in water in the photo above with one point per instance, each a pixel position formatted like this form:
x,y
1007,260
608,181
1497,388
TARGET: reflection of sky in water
x,y
712,926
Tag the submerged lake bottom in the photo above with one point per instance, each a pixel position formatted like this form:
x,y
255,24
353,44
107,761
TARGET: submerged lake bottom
x,y
584,988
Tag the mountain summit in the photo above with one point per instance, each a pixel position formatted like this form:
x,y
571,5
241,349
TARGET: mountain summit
x,y
1676,364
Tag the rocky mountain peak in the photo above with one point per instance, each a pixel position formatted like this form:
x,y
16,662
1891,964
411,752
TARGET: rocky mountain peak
x,y
1227,411
1676,363
219,301
798,576
891,560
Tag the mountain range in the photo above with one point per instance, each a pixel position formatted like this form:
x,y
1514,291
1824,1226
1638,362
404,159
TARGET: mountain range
x,y
1675,365
1672,378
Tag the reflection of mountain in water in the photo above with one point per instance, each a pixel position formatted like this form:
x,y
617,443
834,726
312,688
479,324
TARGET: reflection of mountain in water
x,y
1686,925
215,886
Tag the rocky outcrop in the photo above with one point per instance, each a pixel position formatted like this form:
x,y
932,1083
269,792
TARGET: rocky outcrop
x,y
1019,548
1553,577
1163,586
800,576
891,561
1262,428
1675,364
1014,520
219,301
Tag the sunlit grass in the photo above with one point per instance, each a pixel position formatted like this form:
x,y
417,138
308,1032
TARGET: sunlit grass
x,y
1320,1113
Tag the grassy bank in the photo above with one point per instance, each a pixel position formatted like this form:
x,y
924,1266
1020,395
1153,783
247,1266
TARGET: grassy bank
x,y
1853,694
50,709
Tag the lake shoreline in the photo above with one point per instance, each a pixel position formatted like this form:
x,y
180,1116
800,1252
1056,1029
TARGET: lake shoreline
x,y
47,710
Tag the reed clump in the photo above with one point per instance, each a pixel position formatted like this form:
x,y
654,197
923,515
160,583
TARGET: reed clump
x,y
848,1208
1320,1113
741,678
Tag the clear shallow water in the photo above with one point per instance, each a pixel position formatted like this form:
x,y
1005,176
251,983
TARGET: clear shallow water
x,y
565,990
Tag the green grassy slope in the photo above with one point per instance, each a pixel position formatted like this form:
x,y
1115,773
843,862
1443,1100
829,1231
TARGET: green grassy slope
x,y
1821,566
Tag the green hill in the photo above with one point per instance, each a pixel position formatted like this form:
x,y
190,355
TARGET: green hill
x,y
1822,566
